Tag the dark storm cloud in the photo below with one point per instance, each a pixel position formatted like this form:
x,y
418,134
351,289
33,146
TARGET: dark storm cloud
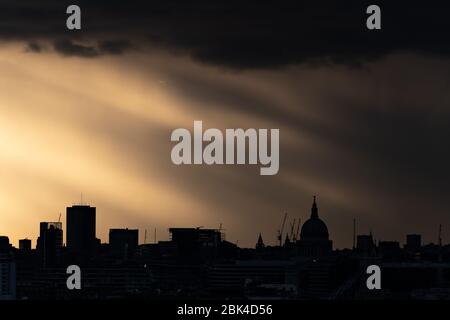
x,y
114,47
237,34
34,47
71,48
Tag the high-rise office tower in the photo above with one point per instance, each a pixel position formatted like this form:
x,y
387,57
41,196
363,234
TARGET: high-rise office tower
x,y
81,240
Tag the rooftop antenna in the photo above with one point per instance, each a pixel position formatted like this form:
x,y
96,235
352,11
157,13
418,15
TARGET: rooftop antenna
x,y
155,235
354,233
59,219
145,237
440,235
221,231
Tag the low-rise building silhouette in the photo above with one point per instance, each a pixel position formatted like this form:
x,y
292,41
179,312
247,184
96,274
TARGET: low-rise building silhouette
x,y
123,243
25,245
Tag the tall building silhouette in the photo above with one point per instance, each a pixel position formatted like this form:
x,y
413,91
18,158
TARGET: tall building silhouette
x,y
81,226
49,243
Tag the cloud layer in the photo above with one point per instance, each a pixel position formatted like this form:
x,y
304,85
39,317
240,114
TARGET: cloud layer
x,y
234,34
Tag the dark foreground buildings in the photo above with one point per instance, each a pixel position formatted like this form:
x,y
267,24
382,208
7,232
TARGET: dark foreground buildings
x,y
200,263
7,270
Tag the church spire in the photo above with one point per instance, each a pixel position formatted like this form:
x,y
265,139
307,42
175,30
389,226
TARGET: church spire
x,y
260,243
314,210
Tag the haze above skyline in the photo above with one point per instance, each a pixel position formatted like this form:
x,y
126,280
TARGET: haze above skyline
x,y
364,120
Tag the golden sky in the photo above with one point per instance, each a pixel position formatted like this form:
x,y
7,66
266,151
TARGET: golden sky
x,y
101,127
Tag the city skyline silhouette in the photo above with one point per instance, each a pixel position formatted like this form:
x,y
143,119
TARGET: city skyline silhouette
x,y
271,238
201,262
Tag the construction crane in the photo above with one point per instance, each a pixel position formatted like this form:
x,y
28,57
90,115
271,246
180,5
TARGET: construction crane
x,y
292,235
297,232
280,231
295,229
